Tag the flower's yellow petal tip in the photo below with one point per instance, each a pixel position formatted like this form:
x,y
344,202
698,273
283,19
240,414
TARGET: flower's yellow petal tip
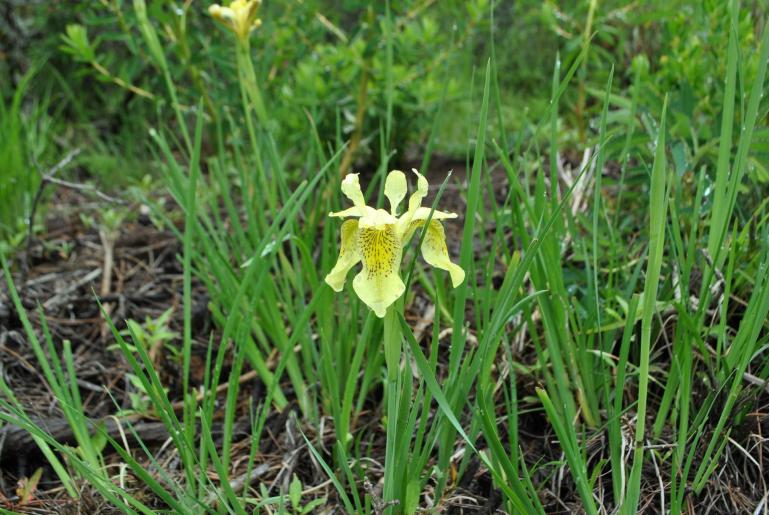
x,y
395,189
457,274
378,294
336,286
351,211
351,180
422,182
351,188
422,214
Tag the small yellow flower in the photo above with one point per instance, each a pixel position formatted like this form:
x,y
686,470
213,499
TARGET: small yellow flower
x,y
377,238
240,16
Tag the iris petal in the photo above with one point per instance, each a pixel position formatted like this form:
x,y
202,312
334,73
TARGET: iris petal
x,y
352,190
349,255
395,189
378,284
351,211
435,253
405,220
422,214
422,190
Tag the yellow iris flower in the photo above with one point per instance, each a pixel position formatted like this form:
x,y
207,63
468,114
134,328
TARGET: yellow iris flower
x,y
240,16
376,238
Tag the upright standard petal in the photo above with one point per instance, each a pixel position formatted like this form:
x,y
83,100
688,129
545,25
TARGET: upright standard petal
x,y
395,189
349,255
405,220
434,251
422,190
352,190
378,284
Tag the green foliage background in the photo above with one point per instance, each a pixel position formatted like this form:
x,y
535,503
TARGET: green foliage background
x,y
311,56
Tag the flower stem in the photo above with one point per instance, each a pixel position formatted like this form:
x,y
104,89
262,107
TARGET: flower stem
x,y
392,342
252,100
248,79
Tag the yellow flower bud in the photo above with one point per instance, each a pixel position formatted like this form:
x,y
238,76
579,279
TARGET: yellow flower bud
x,y
240,17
